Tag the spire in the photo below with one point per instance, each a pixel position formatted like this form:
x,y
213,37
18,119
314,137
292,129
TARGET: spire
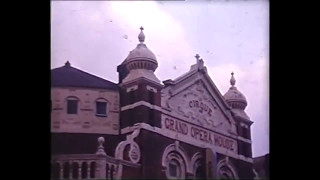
x,y
67,64
232,80
141,36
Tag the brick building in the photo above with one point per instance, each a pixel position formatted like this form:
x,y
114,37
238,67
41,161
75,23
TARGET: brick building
x,y
144,128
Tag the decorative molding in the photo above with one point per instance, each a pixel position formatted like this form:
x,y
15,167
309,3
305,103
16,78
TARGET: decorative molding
x,y
149,88
132,88
244,125
141,103
194,162
134,151
225,163
176,152
197,103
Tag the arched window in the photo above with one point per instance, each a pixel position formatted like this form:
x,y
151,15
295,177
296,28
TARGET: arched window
x,y
101,108
84,170
175,166
72,105
225,173
226,170
199,171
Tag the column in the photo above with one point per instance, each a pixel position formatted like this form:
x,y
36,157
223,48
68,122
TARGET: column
x,y
88,170
80,170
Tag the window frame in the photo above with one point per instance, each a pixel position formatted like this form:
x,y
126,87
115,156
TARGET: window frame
x,y
175,158
101,100
72,98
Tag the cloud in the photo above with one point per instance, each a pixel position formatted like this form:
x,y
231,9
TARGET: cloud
x,y
163,35
89,29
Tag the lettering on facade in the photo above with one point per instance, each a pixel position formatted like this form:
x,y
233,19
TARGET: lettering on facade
x,y
201,106
198,133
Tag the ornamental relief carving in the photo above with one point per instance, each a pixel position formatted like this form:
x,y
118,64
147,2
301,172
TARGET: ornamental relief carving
x,y
196,105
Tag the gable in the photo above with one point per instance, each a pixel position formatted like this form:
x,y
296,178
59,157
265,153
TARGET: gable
x,y
196,99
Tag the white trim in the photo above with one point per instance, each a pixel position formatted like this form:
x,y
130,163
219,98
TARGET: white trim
x,y
228,164
132,88
149,88
176,148
197,156
140,103
244,140
120,150
247,159
185,140
244,125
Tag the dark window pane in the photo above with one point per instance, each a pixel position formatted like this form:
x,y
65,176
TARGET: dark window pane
x,y
84,168
173,170
101,108
200,173
72,107
92,169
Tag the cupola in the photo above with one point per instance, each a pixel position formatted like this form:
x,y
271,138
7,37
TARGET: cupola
x,y
141,62
234,97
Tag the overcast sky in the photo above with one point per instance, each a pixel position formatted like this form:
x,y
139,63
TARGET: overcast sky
x,y
96,36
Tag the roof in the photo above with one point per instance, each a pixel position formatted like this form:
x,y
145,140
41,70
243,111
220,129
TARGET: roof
x,y
67,76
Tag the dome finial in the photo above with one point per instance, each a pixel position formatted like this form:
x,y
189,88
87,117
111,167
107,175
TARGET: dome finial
x,y
141,36
100,147
232,80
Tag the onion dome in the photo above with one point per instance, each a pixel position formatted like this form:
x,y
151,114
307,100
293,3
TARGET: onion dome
x,y
141,62
234,97
141,57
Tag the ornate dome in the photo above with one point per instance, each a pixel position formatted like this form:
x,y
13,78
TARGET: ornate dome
x,y
234,97
141,57
141,62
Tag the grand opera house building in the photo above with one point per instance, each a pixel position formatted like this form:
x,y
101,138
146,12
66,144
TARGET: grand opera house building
x,y
142,127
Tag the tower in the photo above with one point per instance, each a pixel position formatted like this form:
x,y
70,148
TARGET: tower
x,y
237,101
139,87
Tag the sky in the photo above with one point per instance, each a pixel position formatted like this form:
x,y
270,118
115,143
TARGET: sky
x,y
229,35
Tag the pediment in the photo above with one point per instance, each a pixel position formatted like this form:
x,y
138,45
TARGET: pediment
x,y
197,100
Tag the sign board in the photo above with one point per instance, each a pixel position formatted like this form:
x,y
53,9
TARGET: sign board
x,y
189,130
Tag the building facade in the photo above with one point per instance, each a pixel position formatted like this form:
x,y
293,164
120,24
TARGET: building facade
x,y
144,128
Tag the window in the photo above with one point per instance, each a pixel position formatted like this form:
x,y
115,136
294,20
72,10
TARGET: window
x,y
101,109
199,172
225,173
173,169
175,166
72,106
